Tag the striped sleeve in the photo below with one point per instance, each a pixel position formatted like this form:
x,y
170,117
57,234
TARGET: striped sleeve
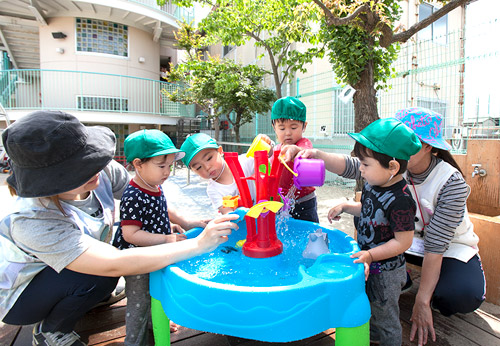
x,y
449,213
351,168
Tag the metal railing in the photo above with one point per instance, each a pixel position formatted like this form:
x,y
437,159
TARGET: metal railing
x,y
88,91
180,13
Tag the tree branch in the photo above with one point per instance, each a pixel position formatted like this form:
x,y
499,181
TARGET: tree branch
x,y
283,54
405,35
337,21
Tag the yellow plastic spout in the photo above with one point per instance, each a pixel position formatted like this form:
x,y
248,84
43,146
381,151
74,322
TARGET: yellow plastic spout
x,y
264,207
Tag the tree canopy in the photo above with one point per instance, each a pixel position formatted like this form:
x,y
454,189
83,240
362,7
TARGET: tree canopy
x,y
362,38
274,25
363,42
219,86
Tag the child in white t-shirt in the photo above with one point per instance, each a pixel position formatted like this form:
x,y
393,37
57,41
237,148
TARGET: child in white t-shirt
x,y
206,158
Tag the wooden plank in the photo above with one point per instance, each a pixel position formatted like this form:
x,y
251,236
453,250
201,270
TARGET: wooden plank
x,y
184,333
325,338
483,320
8,334
25,336
203,339
453,330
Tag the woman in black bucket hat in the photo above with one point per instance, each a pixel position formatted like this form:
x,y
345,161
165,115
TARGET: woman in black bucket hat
x,y
55,264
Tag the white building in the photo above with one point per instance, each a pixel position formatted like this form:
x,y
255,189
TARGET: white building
x,y
99,60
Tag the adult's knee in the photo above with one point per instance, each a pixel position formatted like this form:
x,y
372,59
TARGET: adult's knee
x,y
456,301
84,284
461,286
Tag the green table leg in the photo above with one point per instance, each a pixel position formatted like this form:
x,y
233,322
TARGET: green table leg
x,y
357,336
161,324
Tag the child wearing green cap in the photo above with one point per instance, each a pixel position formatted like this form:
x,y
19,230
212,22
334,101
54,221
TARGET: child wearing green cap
x,y
288,118
145,219
386,215
206,158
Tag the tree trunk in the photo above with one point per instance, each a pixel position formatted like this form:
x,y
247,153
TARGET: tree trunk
x,y
365,106
365,99
216,128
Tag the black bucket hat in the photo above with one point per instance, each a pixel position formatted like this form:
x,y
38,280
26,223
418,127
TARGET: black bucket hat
x,y
52,152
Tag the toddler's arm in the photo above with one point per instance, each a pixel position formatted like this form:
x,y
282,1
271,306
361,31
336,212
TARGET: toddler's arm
x,y
335,163
349,207
133,234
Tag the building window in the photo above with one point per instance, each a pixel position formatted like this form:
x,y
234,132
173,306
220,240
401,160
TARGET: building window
x,y
226,50
102,103
101,36
437,31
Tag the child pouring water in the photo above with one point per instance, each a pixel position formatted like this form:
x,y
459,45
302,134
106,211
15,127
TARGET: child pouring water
x,y
386,217
145,219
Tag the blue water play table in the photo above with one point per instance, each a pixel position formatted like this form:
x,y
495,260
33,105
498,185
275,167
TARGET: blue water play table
x,y
278,299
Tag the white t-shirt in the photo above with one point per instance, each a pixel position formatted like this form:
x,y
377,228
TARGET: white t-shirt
x,y
216,191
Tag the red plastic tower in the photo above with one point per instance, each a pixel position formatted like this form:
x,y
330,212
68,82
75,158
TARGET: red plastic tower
x,y
264,242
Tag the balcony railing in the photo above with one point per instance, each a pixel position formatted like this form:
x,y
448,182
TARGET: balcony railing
x,y
88,91
180,13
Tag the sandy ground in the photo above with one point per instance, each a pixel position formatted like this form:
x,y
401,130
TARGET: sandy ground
x,y
187,193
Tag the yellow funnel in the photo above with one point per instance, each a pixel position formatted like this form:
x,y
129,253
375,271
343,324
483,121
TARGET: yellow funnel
x,y
258,144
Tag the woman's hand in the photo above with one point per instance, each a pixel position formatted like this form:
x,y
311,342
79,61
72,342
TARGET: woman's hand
x,y
422,323
216,232
199,223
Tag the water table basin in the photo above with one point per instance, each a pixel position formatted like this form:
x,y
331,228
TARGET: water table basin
x,y
278,299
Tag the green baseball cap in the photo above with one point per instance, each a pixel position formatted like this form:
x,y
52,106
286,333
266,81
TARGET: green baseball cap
x,y
196,143
289,108
149,143
389,136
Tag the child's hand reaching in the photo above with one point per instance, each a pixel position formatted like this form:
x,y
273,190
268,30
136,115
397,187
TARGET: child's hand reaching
x,y
175,228
334,213
174,237
289,152
266,139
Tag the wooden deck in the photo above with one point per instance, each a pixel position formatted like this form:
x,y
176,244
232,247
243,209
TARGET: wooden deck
x,y
106,326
